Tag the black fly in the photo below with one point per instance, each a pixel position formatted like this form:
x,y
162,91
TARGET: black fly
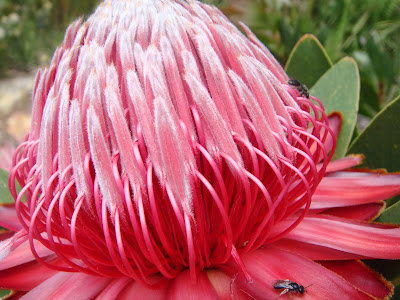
x,y
289,287
302,88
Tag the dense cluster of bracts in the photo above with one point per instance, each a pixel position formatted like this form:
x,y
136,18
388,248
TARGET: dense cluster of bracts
x,y
160,145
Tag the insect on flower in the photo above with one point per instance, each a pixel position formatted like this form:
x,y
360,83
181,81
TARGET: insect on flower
x,y
289,287
302,88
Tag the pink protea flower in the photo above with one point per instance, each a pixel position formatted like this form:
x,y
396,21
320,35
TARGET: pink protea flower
x,y
168,158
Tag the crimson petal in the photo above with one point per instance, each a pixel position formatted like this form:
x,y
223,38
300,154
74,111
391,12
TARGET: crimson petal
x,y
268,265
363,212
69,286
25,277
359,275
9,219
183,288
352,188
371,240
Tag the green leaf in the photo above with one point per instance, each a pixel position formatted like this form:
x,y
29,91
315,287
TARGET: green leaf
x,y
380,141
334,41
5,196
339,90
308,60
4,293
390,215
381,62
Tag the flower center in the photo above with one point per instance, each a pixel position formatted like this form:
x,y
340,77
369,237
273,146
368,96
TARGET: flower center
x,y
148,156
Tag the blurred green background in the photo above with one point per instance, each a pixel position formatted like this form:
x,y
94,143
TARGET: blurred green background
x,y
30,30
367,30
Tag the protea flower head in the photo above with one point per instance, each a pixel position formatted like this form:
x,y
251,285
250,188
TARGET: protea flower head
x,y
169,157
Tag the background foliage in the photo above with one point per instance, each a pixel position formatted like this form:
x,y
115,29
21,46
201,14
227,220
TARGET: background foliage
x,y
30,30
367,30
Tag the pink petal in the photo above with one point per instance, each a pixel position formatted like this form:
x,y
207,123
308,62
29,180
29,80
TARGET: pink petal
x,y
7,244
335,123
39,99
362,277
218,134
221,282
64,152
265,55
22,254
344,163
124,138
6,154
101,156
256,114
18,269
363,212
352,188
69,286
25,277
183,288
354,237
113,289
78,144
266,266
176,155
8,218
144,114
136,290
175,83
218,83
48,138
312,251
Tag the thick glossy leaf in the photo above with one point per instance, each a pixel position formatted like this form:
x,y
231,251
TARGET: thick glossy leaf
x,y
339,90
380,141
4,293
308,60
390,215
5,196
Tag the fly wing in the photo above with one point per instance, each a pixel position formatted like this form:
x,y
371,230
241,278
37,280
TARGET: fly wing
x,y
282,284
